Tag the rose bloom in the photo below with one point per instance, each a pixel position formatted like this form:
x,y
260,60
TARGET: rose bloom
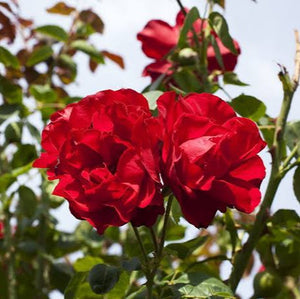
x,y
105,152
209,156
159,38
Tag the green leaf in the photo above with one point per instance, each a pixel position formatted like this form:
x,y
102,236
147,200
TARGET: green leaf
x,y
176,211
7,111
10,91
60,275
189,20
89,49
152,97
296,183
292,135
217,51
74,284
187,81
175,232
232,78
43,93
199,285
219,24
86,263
67,69
53,31
25,154
185,249
8,59
13,132
27,202
103,278
285,218
89,17
248,106
121,287
132,265
8,178
39,55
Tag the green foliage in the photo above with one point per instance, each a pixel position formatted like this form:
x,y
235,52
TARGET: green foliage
x,y
39,54
219,24
189,20
89,49
103,278
10,91
248,106
53,31
8,59
296,183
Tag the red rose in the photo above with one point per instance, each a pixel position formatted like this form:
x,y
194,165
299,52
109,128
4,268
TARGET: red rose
x,y
159,38
104,151
209,156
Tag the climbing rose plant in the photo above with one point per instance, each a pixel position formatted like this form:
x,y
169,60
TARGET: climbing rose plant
x,y
139,167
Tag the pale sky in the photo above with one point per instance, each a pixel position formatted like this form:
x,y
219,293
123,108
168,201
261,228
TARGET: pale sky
x,y
264,31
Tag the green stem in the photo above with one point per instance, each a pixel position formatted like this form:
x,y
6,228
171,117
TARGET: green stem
x,y
154,239
288,159
147,266
242,258
42,239
164,229
10,251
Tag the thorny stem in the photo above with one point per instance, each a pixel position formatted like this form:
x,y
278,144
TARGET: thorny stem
x,y
289,87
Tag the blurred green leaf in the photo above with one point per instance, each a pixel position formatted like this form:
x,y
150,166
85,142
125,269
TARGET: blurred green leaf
x,y
53,31
7,111
189,20
8,178
248,106
219,24
67,69
102,278
285,218
132,264
230,226
74,284
60,275
292,135
199,285
39,55
232,78
187,81
27,203
89,49
43,93
89,17
217,51
185,249
25,154
86,263
8,59
11,92
175,232
13,132
296,183
121,287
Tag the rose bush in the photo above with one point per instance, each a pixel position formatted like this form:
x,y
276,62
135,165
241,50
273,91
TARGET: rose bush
x,y
209,156
104,151
158,39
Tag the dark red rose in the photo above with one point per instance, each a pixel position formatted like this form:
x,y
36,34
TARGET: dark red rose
x,y
159,38
209,156
104,151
